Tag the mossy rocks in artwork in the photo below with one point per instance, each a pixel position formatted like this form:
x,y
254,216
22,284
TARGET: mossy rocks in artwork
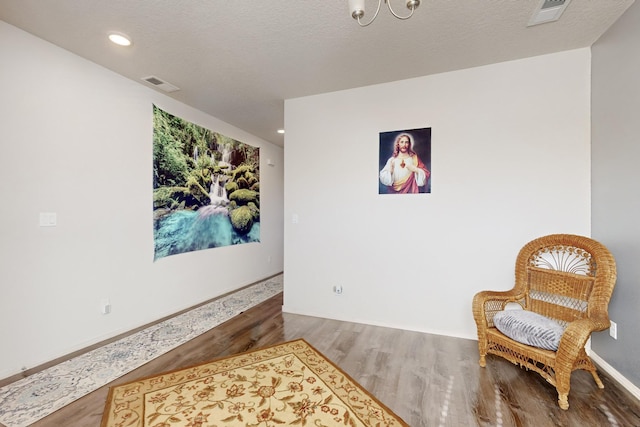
x,y
244,203
242,219
255,210
242,182
197,190
242,171
231,187
173,198
244,197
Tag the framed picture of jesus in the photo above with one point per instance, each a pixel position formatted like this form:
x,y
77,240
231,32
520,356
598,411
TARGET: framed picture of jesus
x,y
405,162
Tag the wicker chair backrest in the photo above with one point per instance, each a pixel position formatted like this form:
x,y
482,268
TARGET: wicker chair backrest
x,y
557,294
559,277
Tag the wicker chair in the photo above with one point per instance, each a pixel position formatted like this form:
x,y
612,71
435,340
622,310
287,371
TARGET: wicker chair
x,y
564,277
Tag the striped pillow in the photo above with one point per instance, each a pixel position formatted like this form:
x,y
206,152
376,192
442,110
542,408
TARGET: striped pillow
x,y
529,328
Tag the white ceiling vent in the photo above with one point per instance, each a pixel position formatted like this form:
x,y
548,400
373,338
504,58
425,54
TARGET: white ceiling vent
x,y
160,84
548,11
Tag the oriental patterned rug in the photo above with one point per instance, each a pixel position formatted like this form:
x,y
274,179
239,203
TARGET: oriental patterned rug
x,y
286,384
30,399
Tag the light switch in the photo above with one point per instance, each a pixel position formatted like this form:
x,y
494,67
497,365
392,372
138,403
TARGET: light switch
x,y
105,306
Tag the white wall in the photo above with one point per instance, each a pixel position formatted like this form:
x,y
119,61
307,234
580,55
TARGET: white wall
x,y
510,162
77,140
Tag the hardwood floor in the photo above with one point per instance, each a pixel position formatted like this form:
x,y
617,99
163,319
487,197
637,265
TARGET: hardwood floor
x,y
428,380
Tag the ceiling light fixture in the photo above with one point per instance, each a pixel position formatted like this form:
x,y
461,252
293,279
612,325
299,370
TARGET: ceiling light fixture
x,y
120,39
357,10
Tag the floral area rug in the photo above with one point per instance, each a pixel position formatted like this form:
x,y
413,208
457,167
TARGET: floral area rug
x,y
32,398
287,384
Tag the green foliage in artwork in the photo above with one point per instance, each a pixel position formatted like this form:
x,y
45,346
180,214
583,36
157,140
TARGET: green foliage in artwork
x,y
170,167
206,165
250,156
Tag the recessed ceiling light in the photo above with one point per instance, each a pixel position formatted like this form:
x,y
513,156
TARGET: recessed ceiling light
x,y
120,39
281,131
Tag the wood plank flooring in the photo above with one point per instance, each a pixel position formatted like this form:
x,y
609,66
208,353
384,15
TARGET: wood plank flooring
x,y
428,380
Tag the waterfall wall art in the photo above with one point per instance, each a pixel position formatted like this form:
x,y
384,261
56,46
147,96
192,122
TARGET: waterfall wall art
x,y
206,188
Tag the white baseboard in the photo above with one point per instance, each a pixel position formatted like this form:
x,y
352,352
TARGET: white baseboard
x,y
624,382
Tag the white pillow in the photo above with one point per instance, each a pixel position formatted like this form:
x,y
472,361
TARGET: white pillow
x,y
529,328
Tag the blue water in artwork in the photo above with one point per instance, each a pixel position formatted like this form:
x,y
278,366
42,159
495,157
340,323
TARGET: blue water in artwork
x,y
186,231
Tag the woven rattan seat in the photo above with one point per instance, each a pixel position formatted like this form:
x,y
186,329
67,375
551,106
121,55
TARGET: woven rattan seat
x,y
564,277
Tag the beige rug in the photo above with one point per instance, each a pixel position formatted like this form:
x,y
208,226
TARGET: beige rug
x,y
287,384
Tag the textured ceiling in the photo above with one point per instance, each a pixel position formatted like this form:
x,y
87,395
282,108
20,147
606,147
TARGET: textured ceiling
x,y
239,60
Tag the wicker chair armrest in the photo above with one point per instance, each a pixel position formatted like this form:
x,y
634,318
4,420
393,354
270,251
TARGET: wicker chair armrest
x,y
510,296
576,335
487,303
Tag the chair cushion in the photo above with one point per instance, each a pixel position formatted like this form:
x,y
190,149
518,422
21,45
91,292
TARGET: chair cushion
x,y
529,328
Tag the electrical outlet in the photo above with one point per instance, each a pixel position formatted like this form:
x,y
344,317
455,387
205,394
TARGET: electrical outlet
x,y
613,330
48,219
337,289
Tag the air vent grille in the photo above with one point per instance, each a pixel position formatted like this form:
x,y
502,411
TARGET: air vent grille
x,y
548,11
160,84
552,3
154,81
